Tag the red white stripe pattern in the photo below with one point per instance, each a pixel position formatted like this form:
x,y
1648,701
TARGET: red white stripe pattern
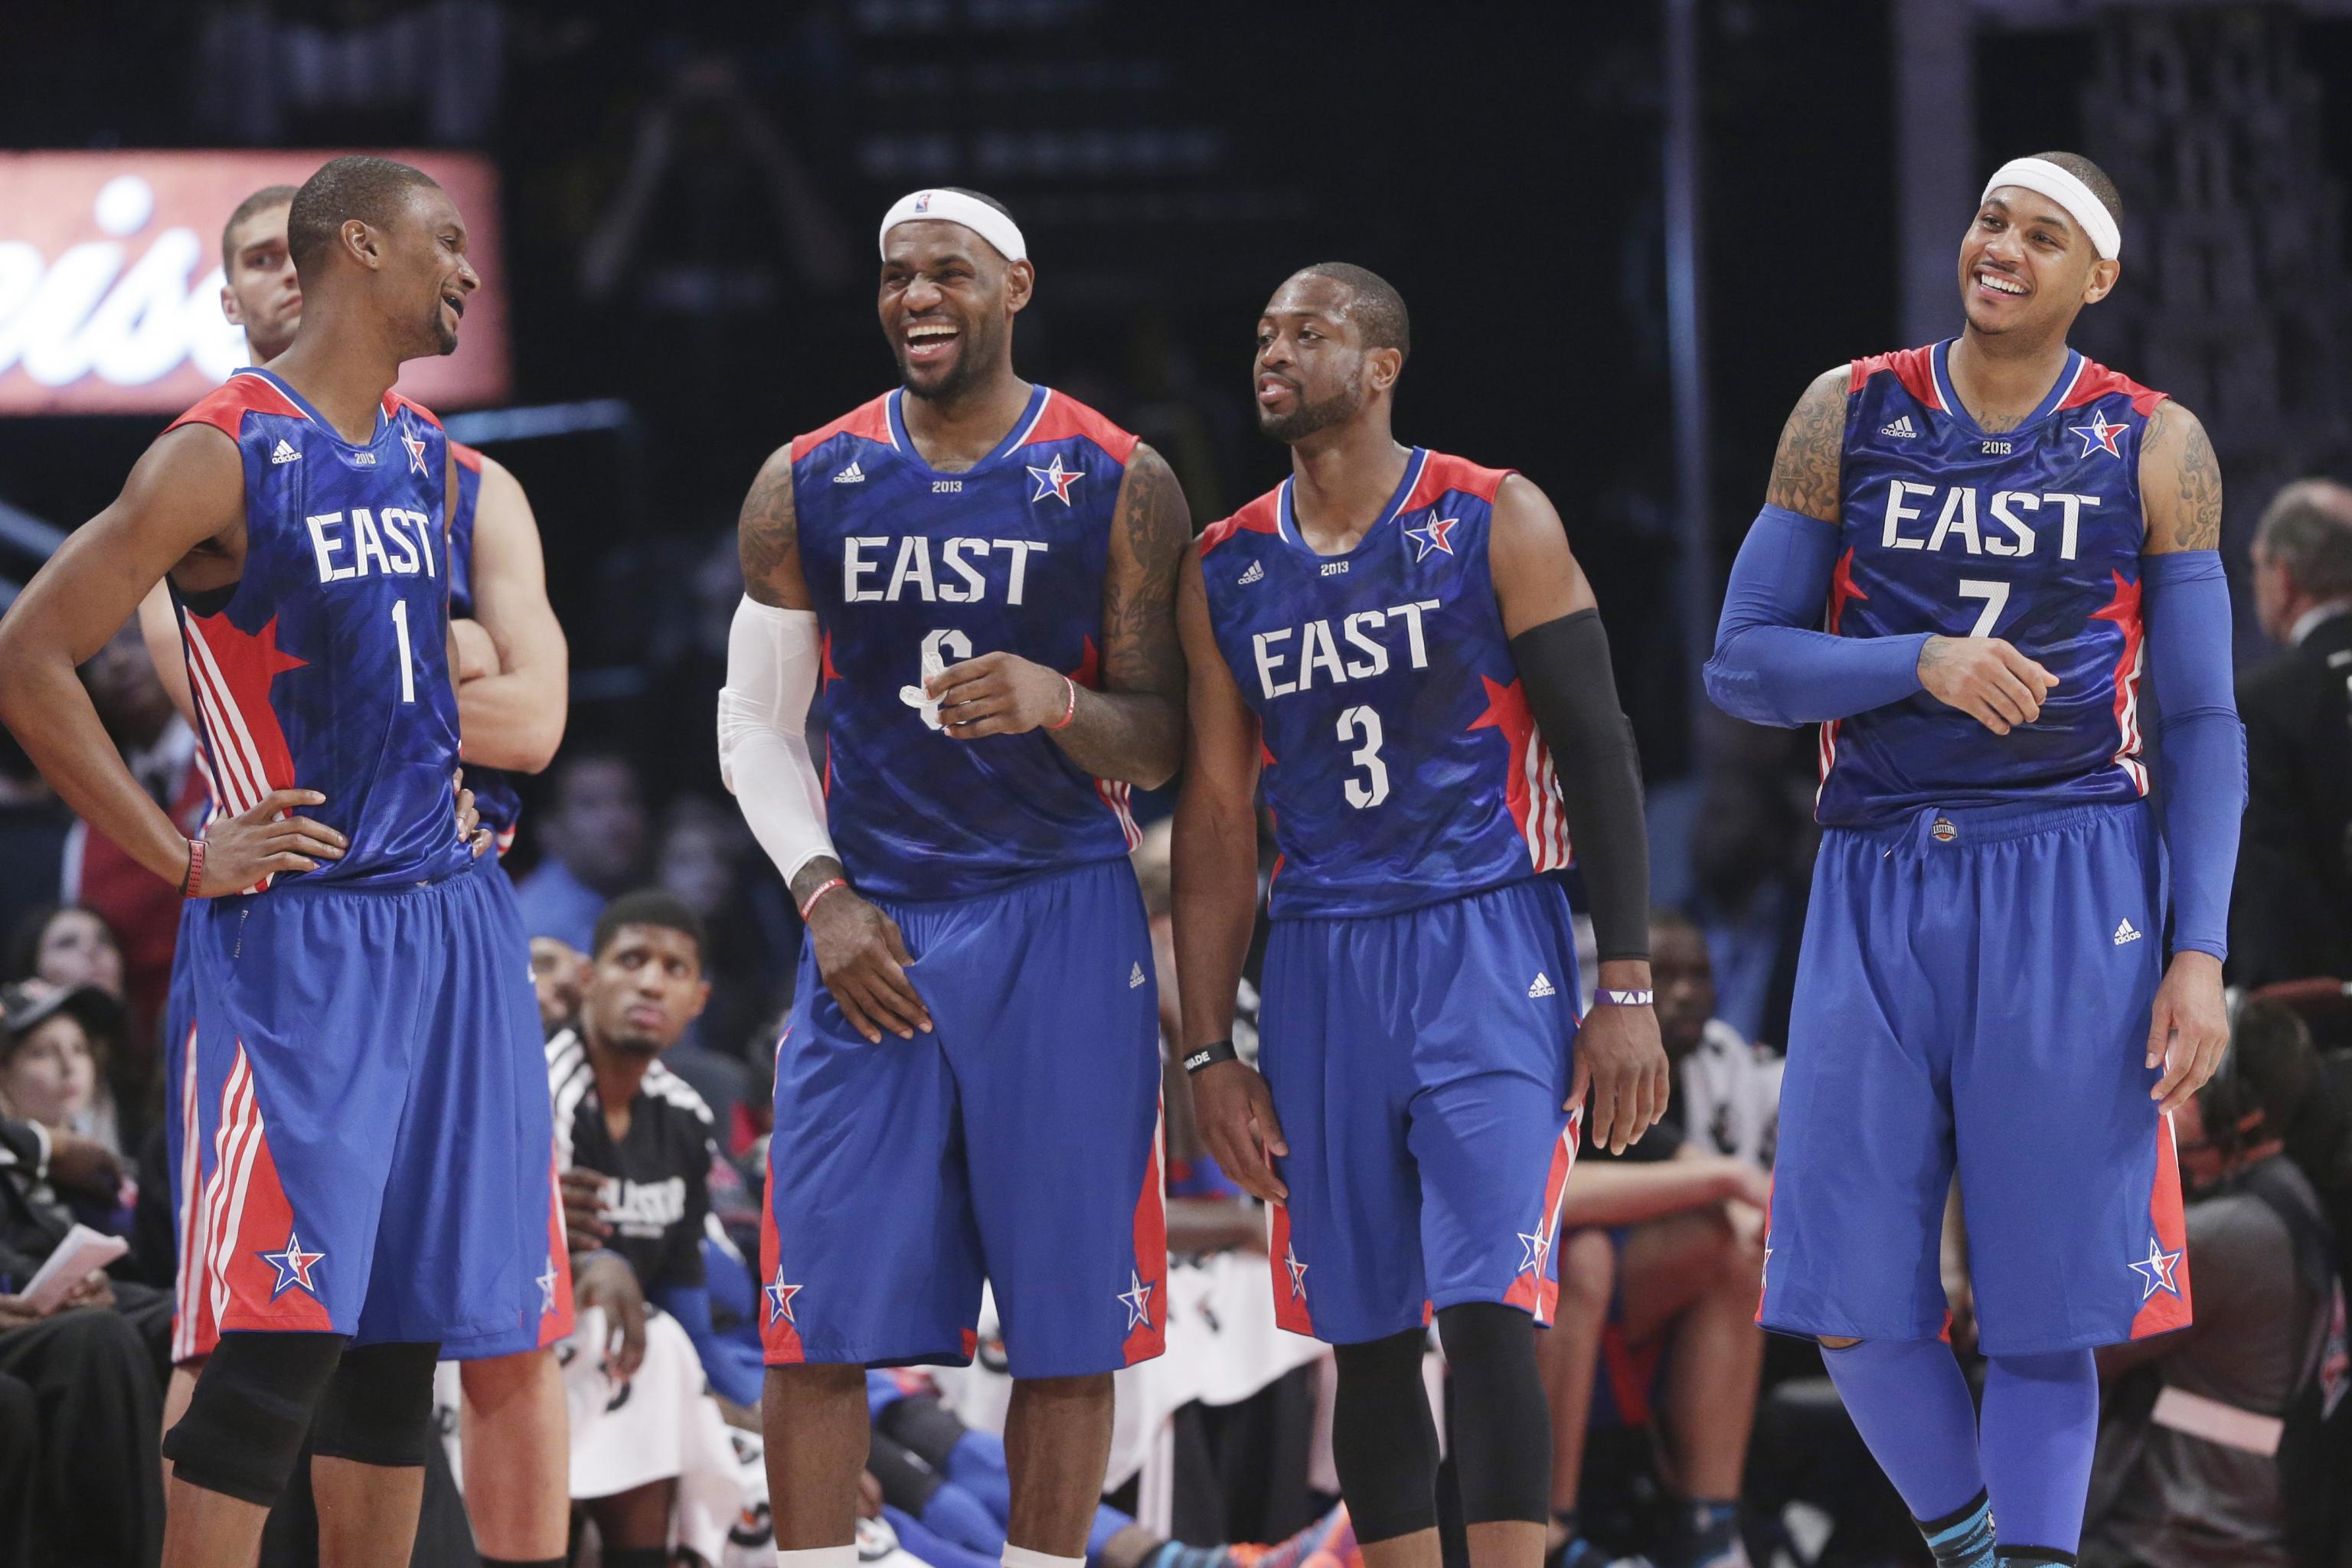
x,y
1118,795
2124,610
1546,823
192,1328
244,746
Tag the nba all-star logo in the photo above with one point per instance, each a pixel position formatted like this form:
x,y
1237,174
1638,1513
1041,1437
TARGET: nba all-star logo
x,y
2099,435
1137,1300
1431,535
1054,481
415,445
2156,1270
293,1263
780,1298
1298,1273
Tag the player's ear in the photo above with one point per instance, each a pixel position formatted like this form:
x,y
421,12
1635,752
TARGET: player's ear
x,y
1019,282
229,311
2103,276
1384,366
363,242
702,1000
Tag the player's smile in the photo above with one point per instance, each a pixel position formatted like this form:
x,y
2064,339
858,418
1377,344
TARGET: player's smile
x,y
930,341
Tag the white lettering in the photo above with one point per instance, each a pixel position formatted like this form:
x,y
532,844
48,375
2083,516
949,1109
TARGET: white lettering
x,y
326,547
1315,648
914,567
1958,516
2072,506
406,560
1898,513
1353,629
1262,644
1411,614
2020,531
854,565
365,543
952,555
1021,549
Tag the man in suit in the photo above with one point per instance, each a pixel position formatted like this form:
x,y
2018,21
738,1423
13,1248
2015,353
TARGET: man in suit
x,y
2292,915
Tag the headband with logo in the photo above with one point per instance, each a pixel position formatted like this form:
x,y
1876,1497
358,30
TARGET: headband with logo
x,y
953,206
2085,208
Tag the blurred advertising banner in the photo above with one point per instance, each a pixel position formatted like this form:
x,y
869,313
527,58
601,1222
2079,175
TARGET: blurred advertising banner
x,y
110,279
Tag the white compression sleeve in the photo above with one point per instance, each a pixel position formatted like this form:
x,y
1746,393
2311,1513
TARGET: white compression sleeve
x,y
764,756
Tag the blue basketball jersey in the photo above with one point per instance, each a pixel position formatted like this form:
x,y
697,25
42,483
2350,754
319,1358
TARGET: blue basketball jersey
x,y
326,665
1402,761
2031,534
914,570
493,790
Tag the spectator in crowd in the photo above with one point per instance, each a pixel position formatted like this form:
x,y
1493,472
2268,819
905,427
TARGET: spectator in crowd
x,y
594,834
80,1403
2291,917
1660,1252
142,910
635,1142
70,947
52,1053
2201,1425
65,945
559,973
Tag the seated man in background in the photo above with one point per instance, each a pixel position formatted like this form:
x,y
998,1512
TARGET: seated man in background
x,y
1661,1250
637,1144
2201,1427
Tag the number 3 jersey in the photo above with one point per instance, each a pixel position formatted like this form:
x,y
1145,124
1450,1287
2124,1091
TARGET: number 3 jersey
x,y
2031,534
325,667
913,569
1402,761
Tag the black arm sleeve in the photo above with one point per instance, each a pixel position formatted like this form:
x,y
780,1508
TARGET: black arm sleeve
x,y
1565,671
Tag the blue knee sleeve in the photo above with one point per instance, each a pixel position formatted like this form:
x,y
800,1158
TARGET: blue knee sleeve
x,y
1912,1406
2041,1425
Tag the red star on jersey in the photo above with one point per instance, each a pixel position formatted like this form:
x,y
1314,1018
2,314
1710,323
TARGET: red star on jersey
x,y
415,445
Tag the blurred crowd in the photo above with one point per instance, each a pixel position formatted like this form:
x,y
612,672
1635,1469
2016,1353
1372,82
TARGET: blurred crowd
x,y
2223,1443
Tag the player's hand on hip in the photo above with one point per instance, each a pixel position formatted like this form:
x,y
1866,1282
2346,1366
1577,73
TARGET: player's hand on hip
x,y
469,817
862,957
1236,1111
1620,1075
2187,1029
241,850
997,694
605,1280
1986,679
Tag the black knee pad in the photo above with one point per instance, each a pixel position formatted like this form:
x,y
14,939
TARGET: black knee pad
x,y
252,1403
378,1408
1383,1441
1501,1425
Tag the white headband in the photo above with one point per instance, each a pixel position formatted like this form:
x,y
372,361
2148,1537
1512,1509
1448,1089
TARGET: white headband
x,y
953,206
2085,208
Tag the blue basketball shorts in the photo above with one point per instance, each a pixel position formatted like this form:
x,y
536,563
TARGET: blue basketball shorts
x,y
1973,995
365,1141
1019,1143
1419,1062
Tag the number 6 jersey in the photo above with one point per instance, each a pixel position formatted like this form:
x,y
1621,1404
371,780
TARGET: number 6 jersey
x,y
1402,761
914,569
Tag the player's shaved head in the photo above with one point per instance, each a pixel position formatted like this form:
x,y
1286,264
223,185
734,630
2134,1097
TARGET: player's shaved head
x,y
2091,175
1374,304
253,207
369,189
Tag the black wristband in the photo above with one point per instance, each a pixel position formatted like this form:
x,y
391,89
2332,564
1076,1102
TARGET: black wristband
x,y
1210,1055
1565,668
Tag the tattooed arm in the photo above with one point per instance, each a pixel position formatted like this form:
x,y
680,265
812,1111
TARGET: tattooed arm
x,y
2200,752
1133,728
1806,469
2179,483
767,537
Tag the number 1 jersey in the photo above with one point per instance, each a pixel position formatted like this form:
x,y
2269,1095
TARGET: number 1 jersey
x,y
914,569
325,666
1401,761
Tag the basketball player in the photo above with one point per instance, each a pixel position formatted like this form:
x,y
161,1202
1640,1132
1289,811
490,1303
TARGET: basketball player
x,y
1401,644
360,988
2006,536
510,707
982,575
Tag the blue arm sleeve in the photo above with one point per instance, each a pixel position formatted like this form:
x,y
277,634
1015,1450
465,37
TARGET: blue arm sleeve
x,y
2200,746
690,1305
1770,666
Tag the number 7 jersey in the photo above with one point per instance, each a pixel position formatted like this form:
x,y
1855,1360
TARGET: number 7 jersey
x,y
1401,761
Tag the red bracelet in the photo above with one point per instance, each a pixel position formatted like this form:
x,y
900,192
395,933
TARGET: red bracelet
x,y
1072,710
828,885
196,878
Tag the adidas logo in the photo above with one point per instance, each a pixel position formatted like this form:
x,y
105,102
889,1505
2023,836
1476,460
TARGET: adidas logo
x,y
285,454
1902,429
1135,977
852,475
1542,987
1256,570
2125,933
